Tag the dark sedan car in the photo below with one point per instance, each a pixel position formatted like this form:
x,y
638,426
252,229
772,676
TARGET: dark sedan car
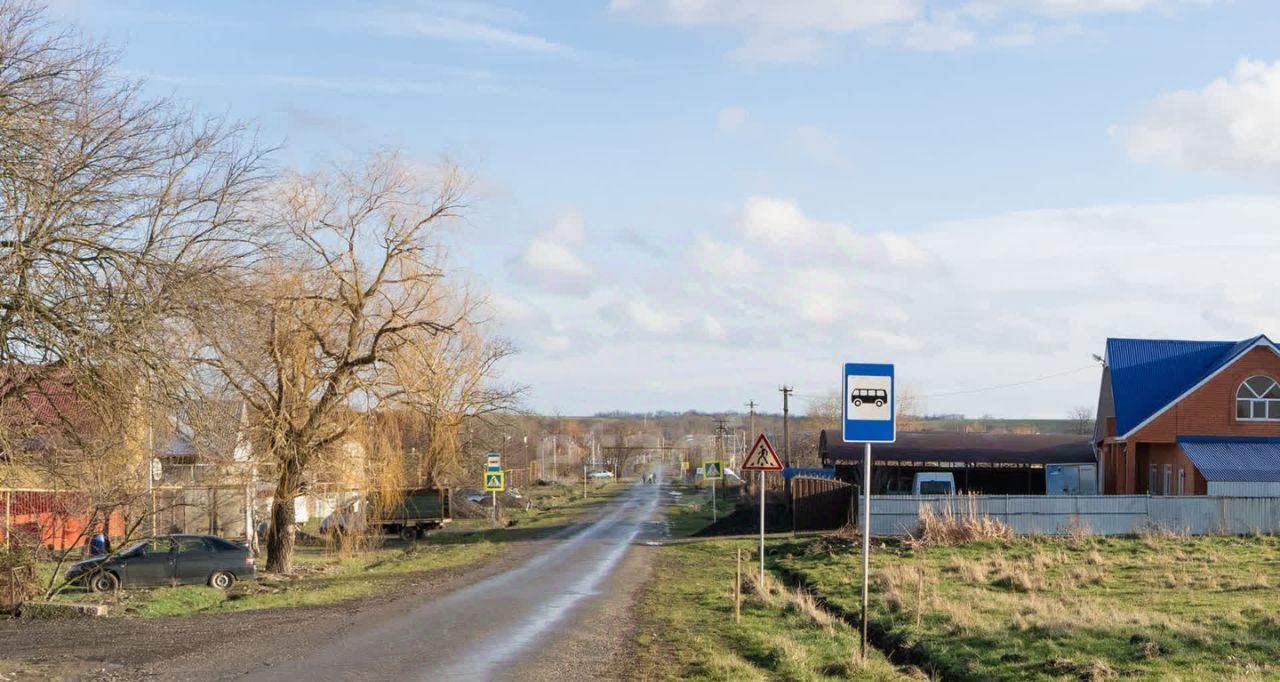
x,y
167,560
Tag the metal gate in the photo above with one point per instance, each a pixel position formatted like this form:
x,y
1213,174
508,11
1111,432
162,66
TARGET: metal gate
x,y
821,503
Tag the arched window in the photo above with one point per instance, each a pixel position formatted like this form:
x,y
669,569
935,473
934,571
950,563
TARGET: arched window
x,y
1258,399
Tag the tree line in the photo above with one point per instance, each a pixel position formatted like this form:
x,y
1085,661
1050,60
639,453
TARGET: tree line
x,y
156,261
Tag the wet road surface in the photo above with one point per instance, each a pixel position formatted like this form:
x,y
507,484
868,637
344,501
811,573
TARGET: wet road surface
x,y
501,627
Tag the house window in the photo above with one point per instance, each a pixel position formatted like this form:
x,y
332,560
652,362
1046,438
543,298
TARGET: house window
x,y
1258,399
1167,488
1182,481
1151,480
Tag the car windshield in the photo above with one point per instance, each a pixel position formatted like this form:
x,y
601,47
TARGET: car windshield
x,y
935,487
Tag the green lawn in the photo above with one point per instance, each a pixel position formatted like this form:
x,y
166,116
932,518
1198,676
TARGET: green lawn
x,y
1154,607
693,511
687,629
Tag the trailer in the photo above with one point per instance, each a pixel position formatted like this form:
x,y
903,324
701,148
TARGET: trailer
x,y
407,513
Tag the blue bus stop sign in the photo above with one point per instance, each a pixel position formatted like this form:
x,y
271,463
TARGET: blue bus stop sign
x,y
869,415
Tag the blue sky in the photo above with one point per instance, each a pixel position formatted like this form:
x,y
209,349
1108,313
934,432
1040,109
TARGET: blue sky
x,y
684,203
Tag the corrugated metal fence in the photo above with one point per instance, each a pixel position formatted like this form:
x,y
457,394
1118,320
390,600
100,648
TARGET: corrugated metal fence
x,y
1097,514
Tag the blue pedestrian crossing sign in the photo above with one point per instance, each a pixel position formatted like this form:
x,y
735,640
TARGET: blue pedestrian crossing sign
x,y
494,481
869,414
713,470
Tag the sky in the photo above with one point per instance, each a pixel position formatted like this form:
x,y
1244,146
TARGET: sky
x,y
684,204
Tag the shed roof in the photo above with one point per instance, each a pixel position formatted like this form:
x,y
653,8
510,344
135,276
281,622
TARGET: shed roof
x,y
1234,459
985,448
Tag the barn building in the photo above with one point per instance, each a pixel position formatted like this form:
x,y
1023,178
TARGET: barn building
x,y
1190,417
982,463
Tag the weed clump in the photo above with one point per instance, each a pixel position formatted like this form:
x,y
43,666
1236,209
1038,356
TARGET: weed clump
x,y
949,528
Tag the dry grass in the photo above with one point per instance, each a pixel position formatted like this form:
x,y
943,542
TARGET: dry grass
x,y
948,528
969,570
804,604
1079,531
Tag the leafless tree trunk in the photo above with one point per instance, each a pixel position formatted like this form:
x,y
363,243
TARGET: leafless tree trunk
x,y
360,313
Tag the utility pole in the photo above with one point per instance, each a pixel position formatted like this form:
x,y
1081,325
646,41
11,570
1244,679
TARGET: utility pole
x,y
786,448
751,406
786,426
720,432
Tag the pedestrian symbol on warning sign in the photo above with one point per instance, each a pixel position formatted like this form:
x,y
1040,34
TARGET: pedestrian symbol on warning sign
x,y
494,481
762,457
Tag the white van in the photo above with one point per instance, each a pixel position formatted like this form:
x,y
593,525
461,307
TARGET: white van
x,y
934,483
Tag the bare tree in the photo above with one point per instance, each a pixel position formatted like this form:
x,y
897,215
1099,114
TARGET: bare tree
x,y
827,410
118,213
360,314
1081,419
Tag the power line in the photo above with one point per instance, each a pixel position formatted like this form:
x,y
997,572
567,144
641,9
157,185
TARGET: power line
x,y
978,390
1012,385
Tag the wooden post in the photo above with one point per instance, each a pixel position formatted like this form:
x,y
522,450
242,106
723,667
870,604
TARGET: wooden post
x,y
737,589
8,516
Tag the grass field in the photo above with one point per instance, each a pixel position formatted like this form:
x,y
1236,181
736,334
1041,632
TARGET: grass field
x,y
692,511
325,576
1155,607
687,629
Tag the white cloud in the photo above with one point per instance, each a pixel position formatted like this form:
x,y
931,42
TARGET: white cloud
x,y
714,329
569,228
730,119
723,259
796,15
931,36
1232,124
818,294
379,86
553,344
652,320
801,31
957,304
888,340
456,22
779,48
550,261
778,222
510,309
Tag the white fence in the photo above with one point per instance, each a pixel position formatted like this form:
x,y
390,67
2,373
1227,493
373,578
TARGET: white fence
x,y
1100,514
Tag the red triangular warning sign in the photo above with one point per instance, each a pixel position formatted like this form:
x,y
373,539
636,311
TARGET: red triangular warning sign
x,y
761,457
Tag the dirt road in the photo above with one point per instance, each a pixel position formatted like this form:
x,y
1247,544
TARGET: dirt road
x,y
551,609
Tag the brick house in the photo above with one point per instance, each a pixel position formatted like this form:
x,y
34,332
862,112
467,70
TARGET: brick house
x,y
1190,417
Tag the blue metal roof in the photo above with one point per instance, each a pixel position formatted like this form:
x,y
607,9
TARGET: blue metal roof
x,y
792,472
1234,459
1148,374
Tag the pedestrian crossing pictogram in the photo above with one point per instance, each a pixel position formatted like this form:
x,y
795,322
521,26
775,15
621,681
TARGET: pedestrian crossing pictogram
x,y
762,457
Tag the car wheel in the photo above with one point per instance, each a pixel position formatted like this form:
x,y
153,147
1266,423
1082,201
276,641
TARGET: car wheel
x,y
222,580
409,533
106,581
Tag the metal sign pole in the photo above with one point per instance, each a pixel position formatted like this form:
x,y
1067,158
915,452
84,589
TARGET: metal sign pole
x,y
713,500
866,539
762,528
495,506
